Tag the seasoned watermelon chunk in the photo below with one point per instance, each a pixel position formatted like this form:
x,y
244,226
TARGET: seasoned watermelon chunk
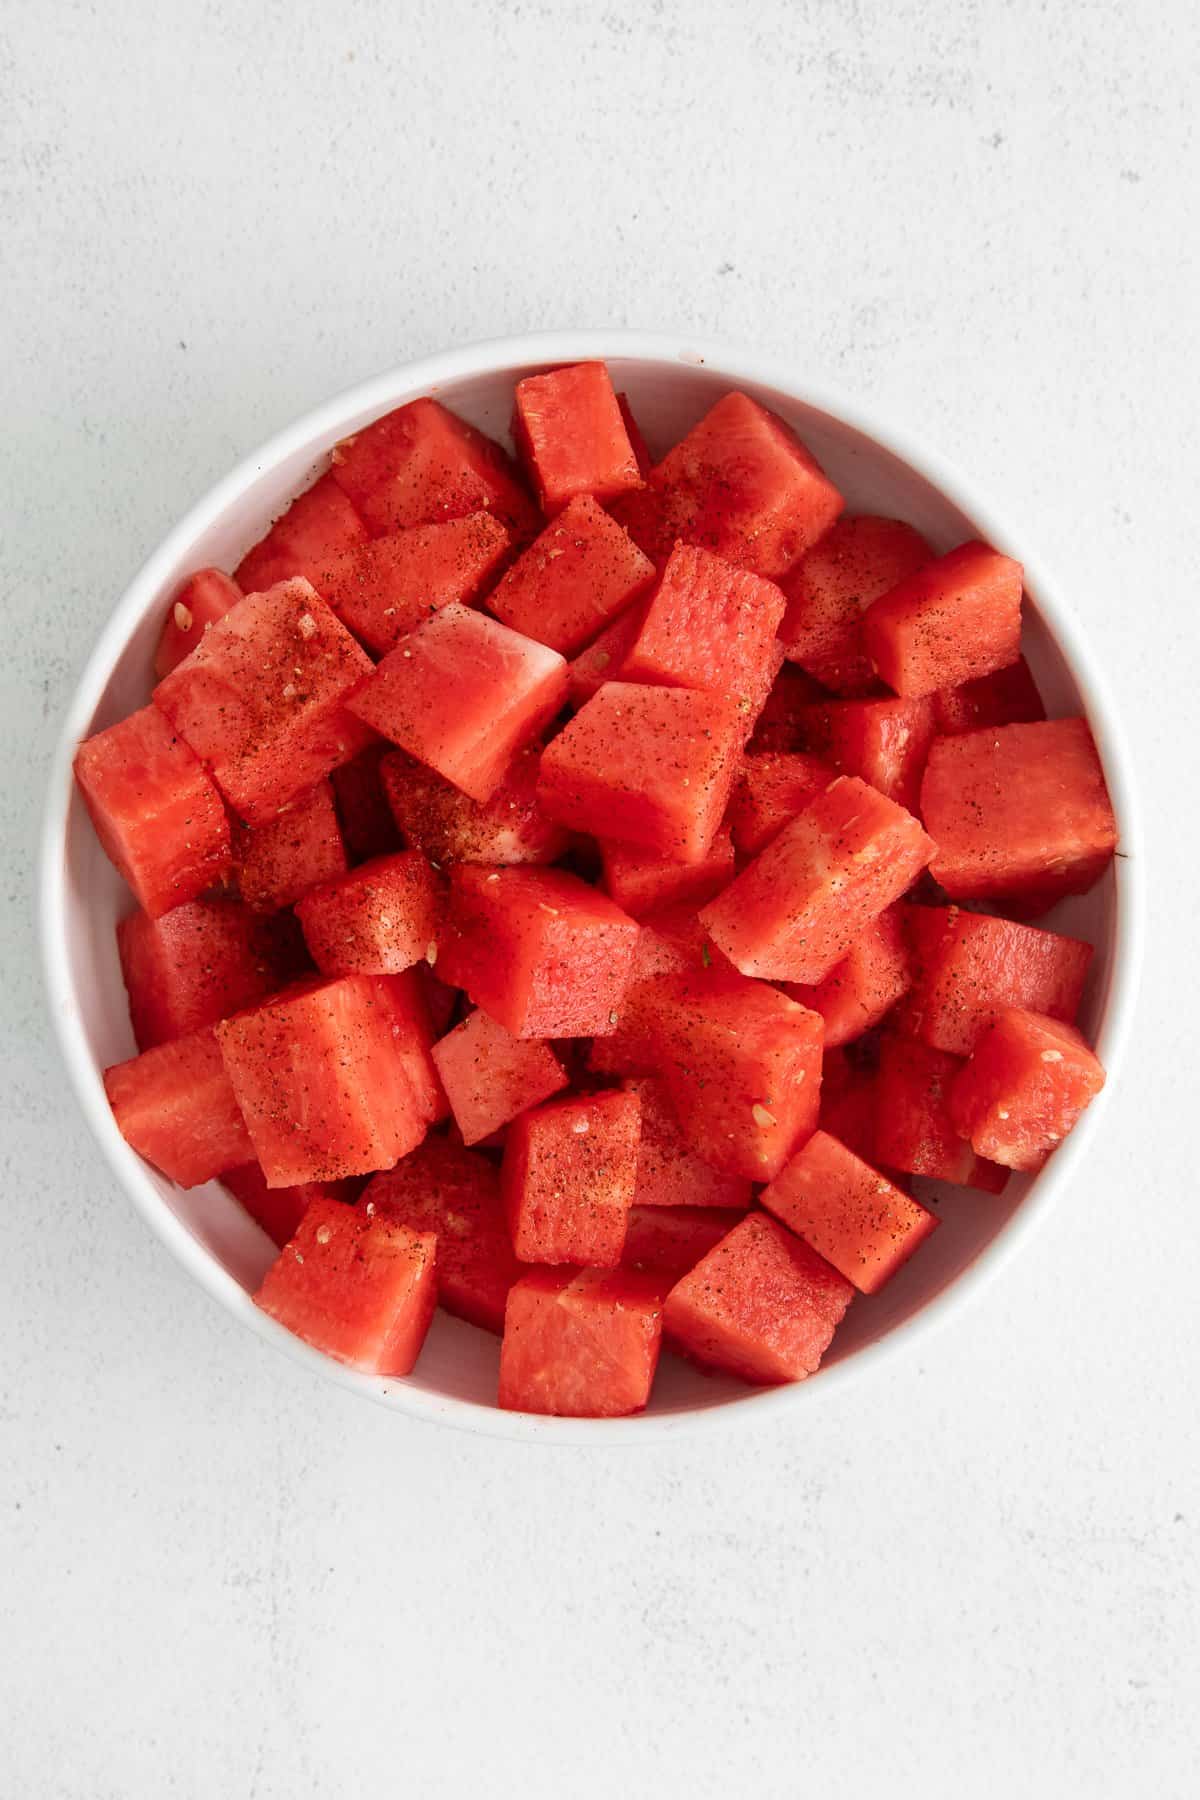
x,y
420,464
1026,1085
848,1212
794,913
670,1240
156,813
581,1345
859,990
573,580
203,599
1009,697
669,1170
604,656
858,560
368,828
280,1210
968,966
284,857
411,999
541,951
455,1194
320,1078
740,483
640,881
357,1285
384,589
174,1105
511,827
650,766
772,788
379,919
568,1179
913,1127
883,742
778,727
951,621
199,963
463,693
709,625
318,526
571,436
761,1305
260,699
671,942
490,1076
1018,812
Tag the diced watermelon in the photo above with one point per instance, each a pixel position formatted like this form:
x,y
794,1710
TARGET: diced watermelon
x,y
709,625
740,483
580,1345
772,788
279,1210
637,442
357,1285
848,1212
951,621
545,954
463,694
1009,697
913,1127
368,828
260,699
858,560
1025,1087
283,858
848,1102
490,1076
795,911
647,765
156,813
640,881
866,984
199,963
573,580
568,1179
203,599
1018,812
511,827
175,1106
761,1305
883,742
571,436
669,1171
318,526
671,942
670,1240
455,1194
778,726
410,999
968,966
379,919
602,659
421,464
321,1082
384,589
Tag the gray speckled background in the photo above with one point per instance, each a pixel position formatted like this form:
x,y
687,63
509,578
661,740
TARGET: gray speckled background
x,y
978,1574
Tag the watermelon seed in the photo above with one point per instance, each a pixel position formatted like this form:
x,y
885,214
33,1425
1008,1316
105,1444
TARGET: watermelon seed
x,y
1052,1055
323,1234
306,625
182,616
431,954
761,1116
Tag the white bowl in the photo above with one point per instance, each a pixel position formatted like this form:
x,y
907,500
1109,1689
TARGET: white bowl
x,y
671,382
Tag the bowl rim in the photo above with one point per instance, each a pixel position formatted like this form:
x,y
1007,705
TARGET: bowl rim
x,y
737,366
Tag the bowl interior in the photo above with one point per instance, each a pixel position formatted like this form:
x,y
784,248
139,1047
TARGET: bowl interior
x,y
206,1226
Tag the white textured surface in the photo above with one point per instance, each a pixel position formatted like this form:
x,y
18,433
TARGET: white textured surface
x,y
981,1573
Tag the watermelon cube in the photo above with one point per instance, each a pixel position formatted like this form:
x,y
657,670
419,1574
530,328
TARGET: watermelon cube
x,y
463,693
490,1076
866,984
318,525
795,911
280,1210
883,742
670,1172
650,766
1018,812
511,827
1009,697
379,919
284,857
772,788
953,620
385,588
709,625
848,1212
641,881
411,999
604,656
260,699
420,464
175,1106
670,1240
541,951
357,1285
1028,1080
913,1127
968,966
569,1176
573,580
156,813
762,1305
858,560
199,963
455,1194
778,726
571,436
368,828
580,1345
203,599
